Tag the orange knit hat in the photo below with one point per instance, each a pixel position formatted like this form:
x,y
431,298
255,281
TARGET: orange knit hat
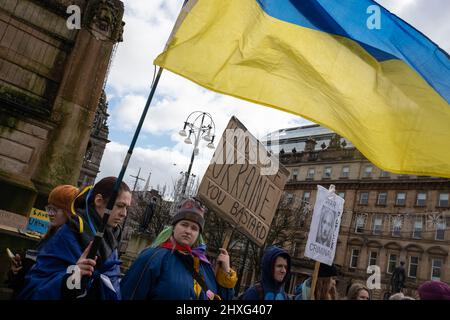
x,y
62,197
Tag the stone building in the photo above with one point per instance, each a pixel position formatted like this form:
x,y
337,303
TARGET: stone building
x,y
96,145
387,217
51,80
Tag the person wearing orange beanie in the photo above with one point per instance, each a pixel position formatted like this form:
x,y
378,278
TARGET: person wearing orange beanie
x,y
59,210
64,269
59,205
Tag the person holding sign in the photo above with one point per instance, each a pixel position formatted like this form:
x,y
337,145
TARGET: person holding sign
x,y
275,266
62,269
58,209
325,287
175,266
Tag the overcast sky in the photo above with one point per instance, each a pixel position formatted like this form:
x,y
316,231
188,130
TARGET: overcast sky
x,y
160,150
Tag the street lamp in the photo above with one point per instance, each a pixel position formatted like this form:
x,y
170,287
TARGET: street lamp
x,y
188,140
205,130
182,132
211,144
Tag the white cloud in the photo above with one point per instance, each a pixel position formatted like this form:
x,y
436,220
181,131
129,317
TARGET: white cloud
x,y
428,16
179,97
159,162
397,7
164,164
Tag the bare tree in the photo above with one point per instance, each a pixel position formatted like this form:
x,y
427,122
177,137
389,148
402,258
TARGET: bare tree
x,y
215,229
149,213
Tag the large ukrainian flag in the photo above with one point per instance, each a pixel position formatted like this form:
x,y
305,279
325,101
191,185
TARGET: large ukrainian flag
x,y
387,90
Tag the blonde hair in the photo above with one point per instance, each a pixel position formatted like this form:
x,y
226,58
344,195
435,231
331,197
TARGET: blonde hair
x,y
325,290
355,289
400,296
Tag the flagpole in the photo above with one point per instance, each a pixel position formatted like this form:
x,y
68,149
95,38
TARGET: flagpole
x,y
112,200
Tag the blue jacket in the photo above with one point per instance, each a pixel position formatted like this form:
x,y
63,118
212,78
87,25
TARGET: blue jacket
x,y
302,291
272,290
47,278
159,274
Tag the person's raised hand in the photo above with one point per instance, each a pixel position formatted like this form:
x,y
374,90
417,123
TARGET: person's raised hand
x,y
16,264
86,265
224,260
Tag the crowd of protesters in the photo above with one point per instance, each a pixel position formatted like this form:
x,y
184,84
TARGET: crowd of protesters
x,y
174,267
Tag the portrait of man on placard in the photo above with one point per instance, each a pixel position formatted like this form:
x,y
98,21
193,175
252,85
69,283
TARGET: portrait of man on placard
x,y
325,229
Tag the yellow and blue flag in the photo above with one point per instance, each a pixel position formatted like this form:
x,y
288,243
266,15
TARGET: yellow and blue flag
x,y
350,65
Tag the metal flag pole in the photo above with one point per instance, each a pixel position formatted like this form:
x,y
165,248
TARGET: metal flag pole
x,y
112,200
99,234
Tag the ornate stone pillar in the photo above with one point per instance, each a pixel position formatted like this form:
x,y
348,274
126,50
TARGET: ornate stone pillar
x,y
79,94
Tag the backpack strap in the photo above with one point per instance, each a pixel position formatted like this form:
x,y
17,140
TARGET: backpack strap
x,y
187,261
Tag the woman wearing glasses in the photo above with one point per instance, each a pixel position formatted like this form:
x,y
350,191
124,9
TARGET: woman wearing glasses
x,y
58,209
175,266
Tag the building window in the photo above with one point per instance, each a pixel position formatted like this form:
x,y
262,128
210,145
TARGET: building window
x,y
311,173
396,226
400,200
436,265
373,258
392,263
306,196
364,198
377,225
359,226
413,265
368,172
382,198
440,230
342,195
418,225
443,199
294,174
421,200
384,174
345,173
327,173
354,258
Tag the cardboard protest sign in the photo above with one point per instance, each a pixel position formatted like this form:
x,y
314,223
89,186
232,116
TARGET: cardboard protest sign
x,y
325,224
243,183
38,221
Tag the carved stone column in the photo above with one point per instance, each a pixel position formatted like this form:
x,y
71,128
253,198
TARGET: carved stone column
x,y
79,94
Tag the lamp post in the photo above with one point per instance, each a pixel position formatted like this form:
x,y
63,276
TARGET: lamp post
x,y
205,130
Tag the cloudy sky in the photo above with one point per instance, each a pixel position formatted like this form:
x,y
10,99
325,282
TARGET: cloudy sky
x,y
160,150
